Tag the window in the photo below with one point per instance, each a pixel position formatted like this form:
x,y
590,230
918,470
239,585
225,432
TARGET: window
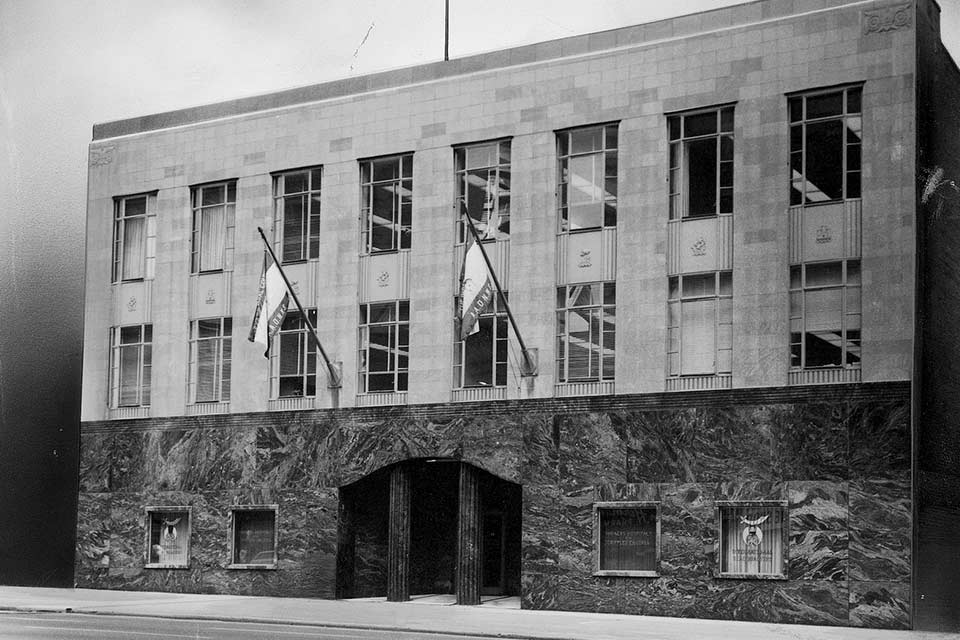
x,y
298,355
130,367
210,347
753,539
588,177
701,163
168,537
134,228
700,324
213,216
384,346
481,359
627,538
483,189
297,200
254,540
825,315
825,132
586,336
386,203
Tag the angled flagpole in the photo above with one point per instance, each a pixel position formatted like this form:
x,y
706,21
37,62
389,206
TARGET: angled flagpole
x,y
334,380
529,366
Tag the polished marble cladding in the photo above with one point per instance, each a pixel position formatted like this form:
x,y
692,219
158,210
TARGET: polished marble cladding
x,y
840,465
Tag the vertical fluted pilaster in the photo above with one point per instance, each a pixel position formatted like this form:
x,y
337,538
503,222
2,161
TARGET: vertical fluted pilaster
x,y
398,536
468,537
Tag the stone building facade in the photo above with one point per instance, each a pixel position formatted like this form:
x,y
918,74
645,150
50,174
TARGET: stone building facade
x,y
710,232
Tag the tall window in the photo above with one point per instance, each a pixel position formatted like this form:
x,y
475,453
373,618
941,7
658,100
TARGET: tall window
x,y
753,540
825,315
483,189
586,332
210,350
297,200
588,177
131,364
254,540
386,203
699,324
213,215
298,355
481,359
825,132
384,346
701,163
133,219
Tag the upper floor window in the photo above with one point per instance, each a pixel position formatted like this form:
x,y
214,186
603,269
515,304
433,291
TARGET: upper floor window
x,y
213,217
825,315
210,355
297,200
134,223
586,332
701,163
483,189
480,360
587,177
298,355
700,323
131,362
384,346
386,203
825,132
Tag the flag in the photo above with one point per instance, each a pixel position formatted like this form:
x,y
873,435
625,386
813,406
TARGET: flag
x,y
272,302
476,289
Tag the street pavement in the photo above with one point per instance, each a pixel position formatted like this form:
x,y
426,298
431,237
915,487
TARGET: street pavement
x,y
425,615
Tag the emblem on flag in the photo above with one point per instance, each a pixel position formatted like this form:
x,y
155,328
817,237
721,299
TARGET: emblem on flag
x,y
476,289
272,302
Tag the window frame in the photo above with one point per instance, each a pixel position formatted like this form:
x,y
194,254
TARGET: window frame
x,y
675,329
307,351
148,248
144,365
609,131
783,508
397,349
402,185
309,238
232,543
500,196
845,288
496,314
223,363
639,505
679,143
198,213
801,122
149,511
562,337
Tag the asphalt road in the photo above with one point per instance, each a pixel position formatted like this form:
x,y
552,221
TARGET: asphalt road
x,y
63,626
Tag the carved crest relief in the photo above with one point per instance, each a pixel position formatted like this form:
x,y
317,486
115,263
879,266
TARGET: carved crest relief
x,y
101,156
887,19
823,234
383,280
132,304
699,247
586,260
211,296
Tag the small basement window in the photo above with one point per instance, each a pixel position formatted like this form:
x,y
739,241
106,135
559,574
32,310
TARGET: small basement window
x,y
168,537
627,538
753,539
254,537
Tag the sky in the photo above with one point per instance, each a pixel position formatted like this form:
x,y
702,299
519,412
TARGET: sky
x,y
67,64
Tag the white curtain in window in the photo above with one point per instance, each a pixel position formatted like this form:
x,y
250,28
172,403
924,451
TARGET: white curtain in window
x,y
134,242
752,541
212,238
698,335
129,375
169,534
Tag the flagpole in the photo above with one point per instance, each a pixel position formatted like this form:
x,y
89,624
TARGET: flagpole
x,y
529,368
446,30
334,382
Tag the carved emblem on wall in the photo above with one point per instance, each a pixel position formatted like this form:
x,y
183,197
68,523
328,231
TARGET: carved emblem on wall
x,y
383,280
886,19
295,285
101,156
586,260
823,234
699,247
211,296
132,304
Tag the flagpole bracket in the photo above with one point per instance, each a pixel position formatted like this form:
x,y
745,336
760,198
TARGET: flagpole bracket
x,y
529,363
335,375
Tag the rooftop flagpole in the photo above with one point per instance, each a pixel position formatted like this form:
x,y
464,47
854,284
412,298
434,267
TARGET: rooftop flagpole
x,y
334,380
529,366
446,30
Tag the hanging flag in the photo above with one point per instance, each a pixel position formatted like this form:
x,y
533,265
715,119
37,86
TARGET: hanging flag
x,y
272,302
476,289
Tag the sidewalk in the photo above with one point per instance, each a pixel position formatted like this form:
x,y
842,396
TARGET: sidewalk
x,y
486,620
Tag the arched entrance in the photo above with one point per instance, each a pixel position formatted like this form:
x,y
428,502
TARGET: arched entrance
x,y
429,526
